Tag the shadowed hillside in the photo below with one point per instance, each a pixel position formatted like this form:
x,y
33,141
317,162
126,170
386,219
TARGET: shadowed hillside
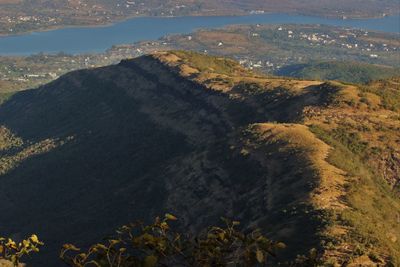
x,y
202,137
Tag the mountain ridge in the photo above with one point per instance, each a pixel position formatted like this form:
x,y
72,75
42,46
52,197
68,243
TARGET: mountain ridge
x,y
201,137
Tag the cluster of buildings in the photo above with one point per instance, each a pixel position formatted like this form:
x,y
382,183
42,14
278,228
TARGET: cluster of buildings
x,y
41,68
347,40
12,22
258,64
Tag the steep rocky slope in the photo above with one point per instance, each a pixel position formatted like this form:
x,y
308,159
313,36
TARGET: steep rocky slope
x,y
202,138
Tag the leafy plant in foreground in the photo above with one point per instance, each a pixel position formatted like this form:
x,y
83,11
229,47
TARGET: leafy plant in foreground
x,y
13,252
157,245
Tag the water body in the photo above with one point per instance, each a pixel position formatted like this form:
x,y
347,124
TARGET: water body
x,y
97,39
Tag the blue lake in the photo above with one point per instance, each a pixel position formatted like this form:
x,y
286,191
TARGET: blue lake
x,y
96,39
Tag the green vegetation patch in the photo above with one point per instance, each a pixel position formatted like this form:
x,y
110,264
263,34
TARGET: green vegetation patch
x,y
209,63
353,72
388,90
374,215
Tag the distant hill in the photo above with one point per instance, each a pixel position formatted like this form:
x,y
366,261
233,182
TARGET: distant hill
x,y
314,164
353,72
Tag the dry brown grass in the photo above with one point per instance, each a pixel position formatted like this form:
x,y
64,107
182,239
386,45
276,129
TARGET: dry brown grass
x,y
216,79
329,193
228,38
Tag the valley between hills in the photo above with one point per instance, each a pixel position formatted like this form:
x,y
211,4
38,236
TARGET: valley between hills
x,y
314,164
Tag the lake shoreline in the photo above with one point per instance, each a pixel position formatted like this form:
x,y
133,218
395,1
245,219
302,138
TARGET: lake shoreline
x,y
116,21
97,38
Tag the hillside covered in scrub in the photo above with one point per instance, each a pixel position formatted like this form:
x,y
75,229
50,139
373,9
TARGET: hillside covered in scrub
x,y
352,72
313,164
